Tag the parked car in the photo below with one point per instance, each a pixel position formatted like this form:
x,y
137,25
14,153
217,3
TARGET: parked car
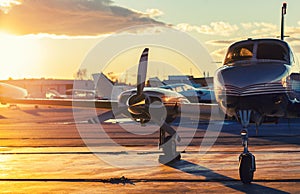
x,y
194,95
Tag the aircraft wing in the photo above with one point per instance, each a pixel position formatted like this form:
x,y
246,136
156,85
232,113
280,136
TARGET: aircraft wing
x,y
106,104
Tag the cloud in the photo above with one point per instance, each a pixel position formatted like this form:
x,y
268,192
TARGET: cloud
x,y
247,26
154,13
293,40
296,50
258,30
215,28
264,28
220,42
295,43
72,17
62,37
292,31
6,5
219,53
261,28
248,29
150,13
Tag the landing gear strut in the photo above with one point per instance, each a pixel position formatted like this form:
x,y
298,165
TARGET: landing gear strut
x,y
246,159
168,144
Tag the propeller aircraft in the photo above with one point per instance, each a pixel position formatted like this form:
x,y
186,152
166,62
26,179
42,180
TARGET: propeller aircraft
x,y
254,84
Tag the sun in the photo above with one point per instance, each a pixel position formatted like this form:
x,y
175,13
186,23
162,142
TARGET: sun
x,y
19,54
6,5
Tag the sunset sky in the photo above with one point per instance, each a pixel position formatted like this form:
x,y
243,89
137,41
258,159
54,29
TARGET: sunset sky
x,y
50,38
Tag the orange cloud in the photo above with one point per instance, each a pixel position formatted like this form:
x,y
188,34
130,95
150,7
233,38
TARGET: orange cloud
x,y
214,28
70,17
6,5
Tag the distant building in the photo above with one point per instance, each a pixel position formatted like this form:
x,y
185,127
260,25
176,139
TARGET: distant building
x,y
190,80
38,87
180,77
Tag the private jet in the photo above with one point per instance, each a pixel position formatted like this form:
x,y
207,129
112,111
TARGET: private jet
x,y
11,91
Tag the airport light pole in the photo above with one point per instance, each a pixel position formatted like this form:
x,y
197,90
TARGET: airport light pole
x,y
283,12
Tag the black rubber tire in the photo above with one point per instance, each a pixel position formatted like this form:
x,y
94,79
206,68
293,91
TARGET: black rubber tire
x,y
178,157
245,169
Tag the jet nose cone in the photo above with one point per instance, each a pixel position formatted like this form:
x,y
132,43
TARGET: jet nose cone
x,y
251,74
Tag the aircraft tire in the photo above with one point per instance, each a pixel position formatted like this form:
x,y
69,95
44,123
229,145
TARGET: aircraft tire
x,y
246,171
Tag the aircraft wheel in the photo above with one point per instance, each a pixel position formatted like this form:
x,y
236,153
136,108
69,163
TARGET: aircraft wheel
x,y
247,167
178,157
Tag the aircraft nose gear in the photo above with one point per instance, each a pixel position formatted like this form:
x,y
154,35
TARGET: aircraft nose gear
x,y
246,159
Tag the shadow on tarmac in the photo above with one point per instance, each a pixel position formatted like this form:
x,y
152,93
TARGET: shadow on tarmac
x,y
211,176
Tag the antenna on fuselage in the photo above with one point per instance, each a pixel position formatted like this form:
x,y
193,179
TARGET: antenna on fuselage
x,y
283,12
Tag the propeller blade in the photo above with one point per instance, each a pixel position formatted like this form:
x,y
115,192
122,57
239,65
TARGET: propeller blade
x,y
107,115
142,72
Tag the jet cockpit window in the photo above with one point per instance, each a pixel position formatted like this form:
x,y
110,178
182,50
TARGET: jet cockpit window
x,y
272,51
239,53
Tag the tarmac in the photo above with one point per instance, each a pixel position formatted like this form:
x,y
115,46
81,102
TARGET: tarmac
x,y
43,149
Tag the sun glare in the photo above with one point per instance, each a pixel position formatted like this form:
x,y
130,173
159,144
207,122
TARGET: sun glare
x,y
18,54
6,5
